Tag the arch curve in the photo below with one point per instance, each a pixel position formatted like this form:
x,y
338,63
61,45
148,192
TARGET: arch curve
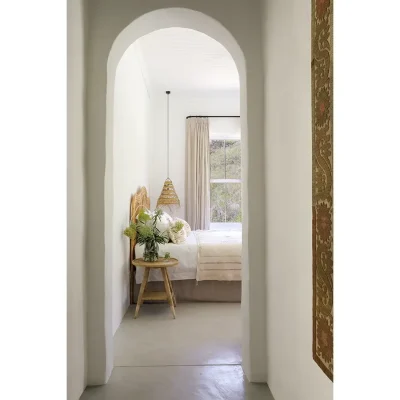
x,y
100,350
176,18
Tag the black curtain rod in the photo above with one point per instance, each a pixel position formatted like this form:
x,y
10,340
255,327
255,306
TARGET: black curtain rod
x,y
213,116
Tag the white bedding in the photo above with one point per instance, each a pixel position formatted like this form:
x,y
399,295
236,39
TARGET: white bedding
x,y
186,253
205,255
220,255
220,243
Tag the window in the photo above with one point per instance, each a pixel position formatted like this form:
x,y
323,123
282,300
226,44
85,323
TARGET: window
x,y
225,181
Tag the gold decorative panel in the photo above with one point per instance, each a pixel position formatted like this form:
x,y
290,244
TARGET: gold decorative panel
x,y
322,165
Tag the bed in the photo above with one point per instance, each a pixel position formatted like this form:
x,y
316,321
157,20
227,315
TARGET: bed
x,y
209,266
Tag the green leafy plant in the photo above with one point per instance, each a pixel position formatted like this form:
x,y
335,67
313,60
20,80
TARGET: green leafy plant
x,y
130,231
167,255
146,233
178,226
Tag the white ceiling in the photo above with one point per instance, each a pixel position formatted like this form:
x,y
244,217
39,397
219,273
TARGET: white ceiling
x,y
187,60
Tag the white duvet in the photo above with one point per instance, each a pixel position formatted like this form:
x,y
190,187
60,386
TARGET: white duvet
x,y
205,255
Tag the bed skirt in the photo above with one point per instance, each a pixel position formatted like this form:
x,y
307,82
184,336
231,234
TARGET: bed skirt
x,y
191,290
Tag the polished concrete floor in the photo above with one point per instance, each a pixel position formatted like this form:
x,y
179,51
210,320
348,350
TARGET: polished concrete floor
x,y
197,356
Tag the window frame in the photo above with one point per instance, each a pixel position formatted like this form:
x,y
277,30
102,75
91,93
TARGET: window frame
x,y
225,180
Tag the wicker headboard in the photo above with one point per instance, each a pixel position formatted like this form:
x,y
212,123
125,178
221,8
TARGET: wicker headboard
x,y
139,200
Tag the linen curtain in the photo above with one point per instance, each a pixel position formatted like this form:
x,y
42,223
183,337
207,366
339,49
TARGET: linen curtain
x,y
198,173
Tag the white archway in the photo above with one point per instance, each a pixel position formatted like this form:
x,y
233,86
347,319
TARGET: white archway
x,y
100,353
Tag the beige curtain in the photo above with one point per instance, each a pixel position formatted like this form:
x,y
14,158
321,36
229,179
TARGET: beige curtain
x,y
198,173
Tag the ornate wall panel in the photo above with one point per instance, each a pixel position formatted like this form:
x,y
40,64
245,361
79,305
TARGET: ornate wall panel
x,y
322,164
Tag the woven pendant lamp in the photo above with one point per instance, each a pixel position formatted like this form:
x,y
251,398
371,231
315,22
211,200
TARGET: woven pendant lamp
x,y
168,197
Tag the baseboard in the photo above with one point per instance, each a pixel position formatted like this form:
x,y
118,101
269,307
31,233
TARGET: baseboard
x,y
257,378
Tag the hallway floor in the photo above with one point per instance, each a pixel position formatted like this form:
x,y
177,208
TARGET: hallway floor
x,y
195,357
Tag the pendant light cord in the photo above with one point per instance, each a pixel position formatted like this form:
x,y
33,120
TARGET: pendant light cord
x,y
168,133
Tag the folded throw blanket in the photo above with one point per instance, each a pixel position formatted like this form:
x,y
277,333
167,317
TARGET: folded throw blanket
x,y
220,255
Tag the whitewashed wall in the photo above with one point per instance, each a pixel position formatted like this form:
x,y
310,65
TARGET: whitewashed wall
x,y
131,168
291,372
76,213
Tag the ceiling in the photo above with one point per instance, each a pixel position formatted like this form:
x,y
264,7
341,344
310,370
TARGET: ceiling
x,y
187,60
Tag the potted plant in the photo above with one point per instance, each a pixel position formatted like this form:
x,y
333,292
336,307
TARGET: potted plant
x,y
146,232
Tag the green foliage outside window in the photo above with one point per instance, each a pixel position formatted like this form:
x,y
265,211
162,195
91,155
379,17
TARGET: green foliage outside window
x,y
226,204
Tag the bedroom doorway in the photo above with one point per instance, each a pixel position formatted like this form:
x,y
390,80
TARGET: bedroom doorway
x,y
101,299
189,80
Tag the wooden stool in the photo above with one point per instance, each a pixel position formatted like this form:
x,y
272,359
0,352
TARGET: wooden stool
x,y
169,294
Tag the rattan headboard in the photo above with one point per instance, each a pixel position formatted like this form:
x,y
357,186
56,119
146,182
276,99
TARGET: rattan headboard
x,y
139,200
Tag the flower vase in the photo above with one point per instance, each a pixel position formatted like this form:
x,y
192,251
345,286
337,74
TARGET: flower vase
x,y
150,251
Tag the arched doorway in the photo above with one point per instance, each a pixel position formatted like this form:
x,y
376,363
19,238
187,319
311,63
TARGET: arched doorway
x,y
100,195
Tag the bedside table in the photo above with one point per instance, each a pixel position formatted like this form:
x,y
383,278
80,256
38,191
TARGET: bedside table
x,y
169,295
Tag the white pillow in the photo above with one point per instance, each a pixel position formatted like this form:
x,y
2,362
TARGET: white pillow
x,y
164,222
177,237
145,211
186,226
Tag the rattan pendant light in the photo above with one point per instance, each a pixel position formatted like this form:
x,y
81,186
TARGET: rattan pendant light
x,y
168,197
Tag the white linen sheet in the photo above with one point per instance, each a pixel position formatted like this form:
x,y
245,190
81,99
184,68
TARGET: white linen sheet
x,y
185,252
220,243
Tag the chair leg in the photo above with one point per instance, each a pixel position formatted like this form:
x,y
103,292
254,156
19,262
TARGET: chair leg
x,y
142,289
168,290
